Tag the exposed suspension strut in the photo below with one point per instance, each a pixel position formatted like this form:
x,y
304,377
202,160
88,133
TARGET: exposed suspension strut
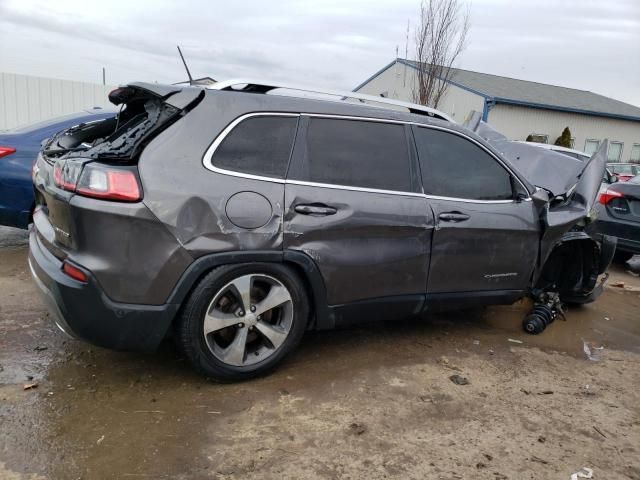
x,y
546,309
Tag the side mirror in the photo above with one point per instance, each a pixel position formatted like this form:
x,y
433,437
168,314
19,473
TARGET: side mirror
x,y
540,197
521,197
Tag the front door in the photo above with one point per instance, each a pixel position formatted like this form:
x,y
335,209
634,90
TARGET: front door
x,y
354,206
487,231
482,246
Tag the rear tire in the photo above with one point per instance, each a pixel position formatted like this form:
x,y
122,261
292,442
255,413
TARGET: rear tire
x,y
244,339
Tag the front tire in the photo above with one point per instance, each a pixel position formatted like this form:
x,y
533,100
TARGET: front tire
x,y
242,320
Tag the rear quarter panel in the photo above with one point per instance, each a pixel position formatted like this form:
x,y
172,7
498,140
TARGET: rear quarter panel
x,y
192,200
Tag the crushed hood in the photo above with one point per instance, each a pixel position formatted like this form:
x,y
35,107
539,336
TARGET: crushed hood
x,y
573,184
552,171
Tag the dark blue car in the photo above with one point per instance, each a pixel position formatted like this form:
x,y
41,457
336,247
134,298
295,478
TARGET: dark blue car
x,y
18,151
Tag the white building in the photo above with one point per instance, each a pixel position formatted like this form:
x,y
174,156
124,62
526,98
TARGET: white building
x,y
519,108
26,99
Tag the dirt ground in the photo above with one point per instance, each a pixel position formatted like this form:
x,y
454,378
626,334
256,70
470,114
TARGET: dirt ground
x,y
370,402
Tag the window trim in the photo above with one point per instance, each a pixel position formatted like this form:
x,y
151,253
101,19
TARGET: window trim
x,y
207,159
491,154
415,182
634,145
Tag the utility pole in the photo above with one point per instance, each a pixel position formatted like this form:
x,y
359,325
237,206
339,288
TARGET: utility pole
x,y
406,54
104,77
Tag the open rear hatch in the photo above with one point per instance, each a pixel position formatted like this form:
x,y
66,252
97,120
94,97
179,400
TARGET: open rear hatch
x,y
99,159
145,110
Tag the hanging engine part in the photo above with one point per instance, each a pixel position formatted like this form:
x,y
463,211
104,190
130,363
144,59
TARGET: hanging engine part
x,y
546,309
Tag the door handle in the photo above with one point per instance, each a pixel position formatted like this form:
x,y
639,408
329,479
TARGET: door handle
x,y
453,217
316,210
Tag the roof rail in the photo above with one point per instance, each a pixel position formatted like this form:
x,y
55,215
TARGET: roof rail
x,y
251,86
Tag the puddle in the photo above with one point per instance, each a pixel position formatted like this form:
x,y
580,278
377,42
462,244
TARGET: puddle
x,y
612,321
13,237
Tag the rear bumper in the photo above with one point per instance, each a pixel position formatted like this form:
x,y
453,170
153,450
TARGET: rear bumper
x,y
83,310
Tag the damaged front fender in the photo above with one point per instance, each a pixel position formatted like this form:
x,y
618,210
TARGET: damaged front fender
x,y
576,210
569,260
575,265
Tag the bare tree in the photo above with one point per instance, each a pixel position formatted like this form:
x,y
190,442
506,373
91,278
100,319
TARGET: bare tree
x,y
440,39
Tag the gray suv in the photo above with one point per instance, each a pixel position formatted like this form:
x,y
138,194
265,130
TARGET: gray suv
x,y
237,218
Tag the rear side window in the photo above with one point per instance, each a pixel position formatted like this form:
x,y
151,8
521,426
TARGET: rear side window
x,y
455,167
354,153
258,146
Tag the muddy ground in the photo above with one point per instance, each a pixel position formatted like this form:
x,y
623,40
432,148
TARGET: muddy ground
x,y
370,402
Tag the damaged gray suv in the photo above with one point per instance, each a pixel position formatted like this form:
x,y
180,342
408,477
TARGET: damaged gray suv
x,y
238,217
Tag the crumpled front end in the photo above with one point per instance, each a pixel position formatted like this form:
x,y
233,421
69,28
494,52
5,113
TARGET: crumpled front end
x,y
576,267
570,262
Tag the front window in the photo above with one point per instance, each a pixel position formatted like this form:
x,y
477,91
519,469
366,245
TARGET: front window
x,y
455,167
635,153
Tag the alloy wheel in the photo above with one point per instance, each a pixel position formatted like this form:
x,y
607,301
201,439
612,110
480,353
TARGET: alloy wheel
x,y
248,320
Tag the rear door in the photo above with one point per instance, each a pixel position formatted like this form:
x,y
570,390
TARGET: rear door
x,y
486,238
353,204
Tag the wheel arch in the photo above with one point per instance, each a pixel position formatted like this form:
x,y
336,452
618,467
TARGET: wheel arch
x,y
299,261
573,266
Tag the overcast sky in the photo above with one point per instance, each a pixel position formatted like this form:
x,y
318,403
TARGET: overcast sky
x,y
585,44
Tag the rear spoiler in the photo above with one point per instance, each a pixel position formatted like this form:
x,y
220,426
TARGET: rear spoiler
x,y
179,97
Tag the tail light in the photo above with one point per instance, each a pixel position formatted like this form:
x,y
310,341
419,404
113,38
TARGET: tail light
x,y
74,272
97,181
65,175
109,184
608,195
4,151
